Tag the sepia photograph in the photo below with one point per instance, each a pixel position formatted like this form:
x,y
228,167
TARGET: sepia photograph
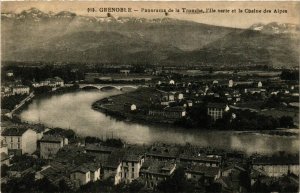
x,y
150,96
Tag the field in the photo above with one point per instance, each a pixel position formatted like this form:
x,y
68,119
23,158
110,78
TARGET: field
x,y
294,113
140,98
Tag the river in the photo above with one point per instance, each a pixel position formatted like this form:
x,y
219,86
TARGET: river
x,y
73,110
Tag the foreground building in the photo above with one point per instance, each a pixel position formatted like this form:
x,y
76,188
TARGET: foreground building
x,y
277,166
202,173
130,167
49,145
20,140
153,172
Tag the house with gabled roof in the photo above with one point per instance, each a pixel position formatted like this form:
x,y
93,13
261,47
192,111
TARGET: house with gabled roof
x,y
20,140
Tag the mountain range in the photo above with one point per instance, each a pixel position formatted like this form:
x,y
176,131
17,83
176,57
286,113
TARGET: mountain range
x,y
33,35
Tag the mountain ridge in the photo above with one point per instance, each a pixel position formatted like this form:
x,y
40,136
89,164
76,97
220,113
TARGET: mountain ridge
x,y
38,36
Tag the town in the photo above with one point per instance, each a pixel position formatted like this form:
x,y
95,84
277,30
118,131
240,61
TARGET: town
x,y
36,158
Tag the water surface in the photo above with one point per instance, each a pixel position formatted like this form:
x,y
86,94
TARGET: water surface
x,y
73,110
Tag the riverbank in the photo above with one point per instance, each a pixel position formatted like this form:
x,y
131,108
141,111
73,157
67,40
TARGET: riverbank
x,y
114,106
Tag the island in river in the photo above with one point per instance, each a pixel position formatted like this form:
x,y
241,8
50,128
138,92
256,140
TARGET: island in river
x,y
145,105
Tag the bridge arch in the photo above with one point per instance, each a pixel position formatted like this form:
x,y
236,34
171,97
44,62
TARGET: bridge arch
x,y
90,87
109,87
128,88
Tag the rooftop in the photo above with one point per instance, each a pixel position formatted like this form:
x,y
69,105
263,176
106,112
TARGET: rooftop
x,y
163,151
98,148
158,167
216,105
176,108
205,170
16,131
276,160
51,139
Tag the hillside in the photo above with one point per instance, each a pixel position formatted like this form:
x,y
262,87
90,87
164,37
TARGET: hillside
x,y
33,35
246,47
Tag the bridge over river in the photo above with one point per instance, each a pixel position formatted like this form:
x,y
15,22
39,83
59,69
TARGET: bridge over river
x,y
110,86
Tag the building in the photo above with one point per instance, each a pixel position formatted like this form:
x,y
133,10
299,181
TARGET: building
x,y
20,140
202,173
216,110
9,73
130,167
4,159
163,153
172,113
49,145
230,83
112,167
215,82
209,161
35,84
259,84
84,174
102,152
172,82
175,112
58,81
3,145
168,97
80,176
125,71
189,103
276,166
179,96
153,172
20,89
129,107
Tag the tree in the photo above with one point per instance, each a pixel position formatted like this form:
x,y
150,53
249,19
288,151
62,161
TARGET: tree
x,y
4,170
135,186
286,121
63,187
176,183
113,143
45,185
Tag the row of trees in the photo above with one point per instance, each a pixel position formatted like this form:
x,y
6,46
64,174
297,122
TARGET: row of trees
x,y
28,184
244,120
111,142
66,72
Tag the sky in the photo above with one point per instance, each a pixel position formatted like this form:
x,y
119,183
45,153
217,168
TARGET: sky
x,y
239,20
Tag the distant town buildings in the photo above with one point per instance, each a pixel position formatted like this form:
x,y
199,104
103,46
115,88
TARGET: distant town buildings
x,y
230,83
10,73
168,112
124,71
20,89
52,82
128,107
171,82
216,110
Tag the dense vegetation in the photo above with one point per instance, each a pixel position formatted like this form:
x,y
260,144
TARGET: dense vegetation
x,y
289,75
243,120
67,133
10,102
111,142
42,72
